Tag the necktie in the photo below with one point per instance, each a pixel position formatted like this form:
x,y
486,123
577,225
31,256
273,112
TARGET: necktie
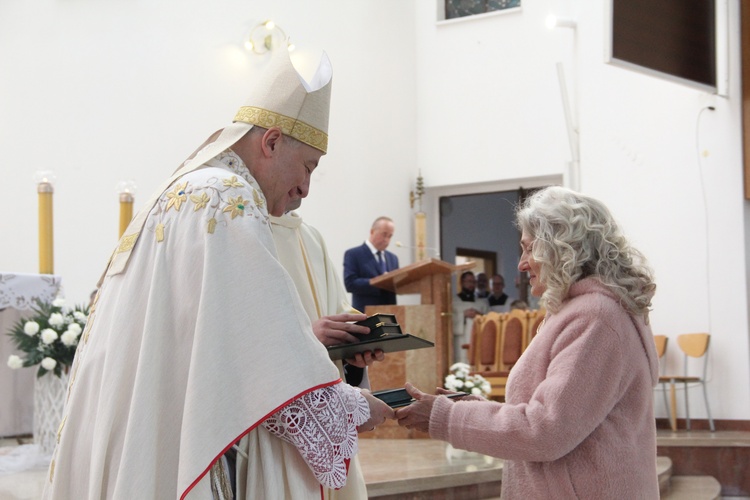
x,y
381,262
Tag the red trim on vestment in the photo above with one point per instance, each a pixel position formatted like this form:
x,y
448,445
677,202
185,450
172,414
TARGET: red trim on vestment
x,y
197,480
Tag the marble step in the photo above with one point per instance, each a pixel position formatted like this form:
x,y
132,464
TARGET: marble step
x,y
664,472
692,488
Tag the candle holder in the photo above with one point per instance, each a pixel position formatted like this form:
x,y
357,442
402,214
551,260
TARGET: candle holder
x,y
420,220
45,180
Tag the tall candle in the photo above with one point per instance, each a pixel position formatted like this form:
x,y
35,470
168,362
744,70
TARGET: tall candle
x,y
126,211
46,245
420,235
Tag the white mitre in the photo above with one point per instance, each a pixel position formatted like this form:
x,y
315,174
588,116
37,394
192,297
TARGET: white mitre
x,y
280,97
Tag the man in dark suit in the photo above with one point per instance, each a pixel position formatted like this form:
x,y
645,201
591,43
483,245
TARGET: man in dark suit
x,y
367,261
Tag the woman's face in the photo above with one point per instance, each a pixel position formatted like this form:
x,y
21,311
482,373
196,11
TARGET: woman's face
x,y
527,264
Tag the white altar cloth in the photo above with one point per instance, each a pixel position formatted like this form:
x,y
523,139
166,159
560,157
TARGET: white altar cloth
x,y
18,294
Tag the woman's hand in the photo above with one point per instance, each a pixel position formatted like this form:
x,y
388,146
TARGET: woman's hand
x,y
467,397
416,415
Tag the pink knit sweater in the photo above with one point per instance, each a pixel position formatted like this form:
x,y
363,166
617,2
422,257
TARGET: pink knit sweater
x,y
578,421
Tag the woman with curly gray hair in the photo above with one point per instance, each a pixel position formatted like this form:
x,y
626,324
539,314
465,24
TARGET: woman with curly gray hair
x,y
578,419
574,237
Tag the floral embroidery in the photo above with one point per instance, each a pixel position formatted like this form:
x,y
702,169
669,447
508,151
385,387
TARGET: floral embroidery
x,y
233,182
200,201
218,198
259,200
176,197
236,206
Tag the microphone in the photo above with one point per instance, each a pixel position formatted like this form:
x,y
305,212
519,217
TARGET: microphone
x,y
431,249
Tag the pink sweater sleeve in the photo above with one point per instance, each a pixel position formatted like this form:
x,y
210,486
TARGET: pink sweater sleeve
x,y
584,372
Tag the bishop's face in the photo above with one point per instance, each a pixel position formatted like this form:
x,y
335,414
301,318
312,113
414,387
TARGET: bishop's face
x,y
527,264
288,181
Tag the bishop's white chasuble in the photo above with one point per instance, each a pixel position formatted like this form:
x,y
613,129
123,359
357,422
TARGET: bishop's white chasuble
x,y
201,341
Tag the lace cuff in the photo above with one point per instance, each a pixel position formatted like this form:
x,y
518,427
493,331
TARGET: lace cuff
x,y
322,425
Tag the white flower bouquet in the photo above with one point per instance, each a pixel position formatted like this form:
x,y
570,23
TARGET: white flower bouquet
x,y
49,338
460,380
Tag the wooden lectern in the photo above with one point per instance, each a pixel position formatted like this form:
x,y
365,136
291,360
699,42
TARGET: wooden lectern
x,y
425,368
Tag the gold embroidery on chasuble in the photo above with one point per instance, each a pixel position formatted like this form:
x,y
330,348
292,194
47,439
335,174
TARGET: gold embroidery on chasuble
x,y
236,206
60,428
259,200
127,242
51,470
176,197
72,379
233,182
215,198
199,201
87,330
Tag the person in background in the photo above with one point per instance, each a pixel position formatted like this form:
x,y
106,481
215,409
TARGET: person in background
x,y
578,421
367,261
465,308
519,304
498,300
197,337
482,286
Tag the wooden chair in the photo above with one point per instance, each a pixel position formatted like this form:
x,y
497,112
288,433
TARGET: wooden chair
x,y
661,342
507,331
692,345
535,319
488,343
513,338
472,346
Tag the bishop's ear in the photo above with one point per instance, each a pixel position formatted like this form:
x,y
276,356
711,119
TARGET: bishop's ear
x,y
272,138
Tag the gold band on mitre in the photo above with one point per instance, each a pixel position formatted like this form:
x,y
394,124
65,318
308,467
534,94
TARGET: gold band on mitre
x,y
289,126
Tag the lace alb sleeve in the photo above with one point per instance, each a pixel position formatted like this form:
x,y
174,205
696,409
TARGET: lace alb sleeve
x,y
322,425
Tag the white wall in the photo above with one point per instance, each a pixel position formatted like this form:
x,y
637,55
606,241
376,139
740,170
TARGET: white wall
x,y
106,91
102,92
490,110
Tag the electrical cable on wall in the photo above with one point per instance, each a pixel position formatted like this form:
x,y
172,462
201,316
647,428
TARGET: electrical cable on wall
x,y
701,179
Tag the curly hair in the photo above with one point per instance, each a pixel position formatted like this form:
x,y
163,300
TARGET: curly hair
x,y
574,237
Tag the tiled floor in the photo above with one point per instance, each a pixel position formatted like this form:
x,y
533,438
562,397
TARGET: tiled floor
x,y
391,468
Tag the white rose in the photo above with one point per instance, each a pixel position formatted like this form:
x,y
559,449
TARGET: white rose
x,y
56,319
459,366
49,364
79,316
69,338
476,391
14,362
459,384
31,328
469,384
58,302
75,328
49,335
